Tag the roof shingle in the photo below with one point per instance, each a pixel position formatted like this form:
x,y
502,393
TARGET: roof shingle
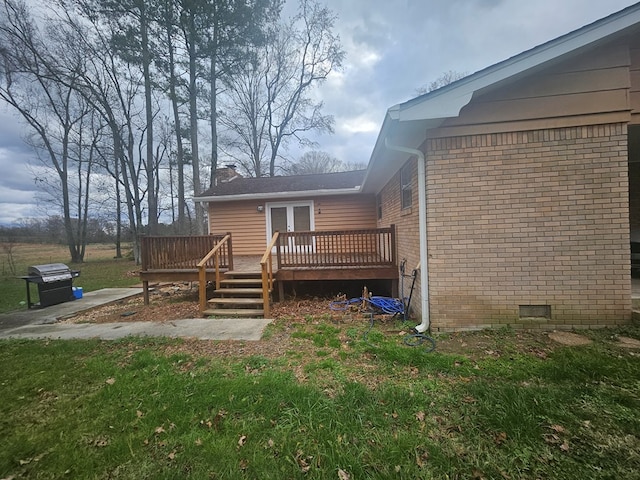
x,y
294,183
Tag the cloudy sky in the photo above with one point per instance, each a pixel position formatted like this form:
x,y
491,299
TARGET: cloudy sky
x,y
393,47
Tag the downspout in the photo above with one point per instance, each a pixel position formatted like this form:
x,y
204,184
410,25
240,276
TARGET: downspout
x,y
422,224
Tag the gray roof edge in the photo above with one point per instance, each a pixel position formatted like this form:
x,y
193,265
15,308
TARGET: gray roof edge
x,y
279,195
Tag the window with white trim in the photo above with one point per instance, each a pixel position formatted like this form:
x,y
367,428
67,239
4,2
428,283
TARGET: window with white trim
x,y
406,181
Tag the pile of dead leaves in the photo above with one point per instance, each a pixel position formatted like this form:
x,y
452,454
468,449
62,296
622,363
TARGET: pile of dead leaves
x,y
180,300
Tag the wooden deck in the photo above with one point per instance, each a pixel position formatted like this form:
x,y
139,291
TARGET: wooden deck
x,y
176,258
290,256
337,255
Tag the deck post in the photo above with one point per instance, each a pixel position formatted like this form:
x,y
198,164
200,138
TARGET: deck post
x,y
145,291
202,288
280,291
229,254
393,245
265,290
278,253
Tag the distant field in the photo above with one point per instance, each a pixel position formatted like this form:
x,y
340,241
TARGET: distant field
x,y
99,270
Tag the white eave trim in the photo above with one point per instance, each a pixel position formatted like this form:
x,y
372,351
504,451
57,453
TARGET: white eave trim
x,y
277,195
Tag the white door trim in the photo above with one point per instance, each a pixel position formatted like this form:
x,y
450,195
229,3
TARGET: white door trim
x,y
289,206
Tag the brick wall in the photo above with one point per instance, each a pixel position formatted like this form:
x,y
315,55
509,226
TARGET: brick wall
x,y
518,219
406,221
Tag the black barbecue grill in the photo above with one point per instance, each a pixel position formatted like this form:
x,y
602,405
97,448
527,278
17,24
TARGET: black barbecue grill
x,y
55,283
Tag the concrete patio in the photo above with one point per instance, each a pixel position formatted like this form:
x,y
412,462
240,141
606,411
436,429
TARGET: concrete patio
x,y
43,323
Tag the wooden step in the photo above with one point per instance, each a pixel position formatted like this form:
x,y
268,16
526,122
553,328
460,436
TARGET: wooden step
x,y
235,301
229,312
238,291
241,281
239,274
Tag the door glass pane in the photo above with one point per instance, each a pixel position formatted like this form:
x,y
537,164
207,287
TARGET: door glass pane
x,y
301,219
278,219
302,223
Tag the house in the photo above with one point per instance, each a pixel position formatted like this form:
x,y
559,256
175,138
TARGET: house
x,y
513,190
518,177
252,209
318,227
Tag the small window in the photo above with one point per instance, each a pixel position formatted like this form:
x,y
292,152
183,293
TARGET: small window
x,y
379,205
406,180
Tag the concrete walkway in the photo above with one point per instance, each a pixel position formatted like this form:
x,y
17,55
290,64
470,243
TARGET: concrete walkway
x,y
42,323
200,328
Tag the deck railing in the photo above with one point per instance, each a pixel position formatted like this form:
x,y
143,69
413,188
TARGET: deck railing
x,y
214,255
266,267
337,248
182,252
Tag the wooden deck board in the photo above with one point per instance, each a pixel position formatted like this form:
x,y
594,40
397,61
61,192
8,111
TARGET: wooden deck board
x,y
292,274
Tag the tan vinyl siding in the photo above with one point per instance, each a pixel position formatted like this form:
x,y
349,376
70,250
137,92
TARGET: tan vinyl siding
x,y
249,230
246,224
634,93
595,84
345,212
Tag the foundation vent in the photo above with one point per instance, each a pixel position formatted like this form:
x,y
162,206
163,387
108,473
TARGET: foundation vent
x,y
535,311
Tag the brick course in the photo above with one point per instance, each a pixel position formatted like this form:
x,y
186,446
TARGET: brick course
x,y
522,218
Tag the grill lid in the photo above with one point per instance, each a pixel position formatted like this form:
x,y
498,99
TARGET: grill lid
x,y
51,272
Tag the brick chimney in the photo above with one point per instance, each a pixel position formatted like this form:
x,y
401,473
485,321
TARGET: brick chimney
x,y
227,173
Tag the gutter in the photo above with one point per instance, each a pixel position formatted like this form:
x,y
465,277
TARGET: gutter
x,y
278,195
422,223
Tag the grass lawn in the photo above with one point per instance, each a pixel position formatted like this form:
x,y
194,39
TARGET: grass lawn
x,y
327,403
100,270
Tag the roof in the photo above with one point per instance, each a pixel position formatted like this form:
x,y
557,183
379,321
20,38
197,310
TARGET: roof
x,y
285,187
406,123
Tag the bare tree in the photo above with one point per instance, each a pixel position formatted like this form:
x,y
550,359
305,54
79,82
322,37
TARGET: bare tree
x,y
443,80
168,64
112,88
234,28
52,109
302,58
269,100
246,117
8,243
192,25
129,24
315,162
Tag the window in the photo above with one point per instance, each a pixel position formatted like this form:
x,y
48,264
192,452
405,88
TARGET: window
x,y
406,179
379,205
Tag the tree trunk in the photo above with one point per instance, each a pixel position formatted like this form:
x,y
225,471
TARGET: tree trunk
x,y
193,114
182,216
213,80
152,194
214,124
118,213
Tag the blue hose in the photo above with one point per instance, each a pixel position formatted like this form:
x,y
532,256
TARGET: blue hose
x,y
388,305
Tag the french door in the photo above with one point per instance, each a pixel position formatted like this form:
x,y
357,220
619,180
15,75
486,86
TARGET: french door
x,y
291,217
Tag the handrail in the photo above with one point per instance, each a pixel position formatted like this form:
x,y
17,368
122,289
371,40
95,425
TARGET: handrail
x,y
177,251
373,247
202,271
266,267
